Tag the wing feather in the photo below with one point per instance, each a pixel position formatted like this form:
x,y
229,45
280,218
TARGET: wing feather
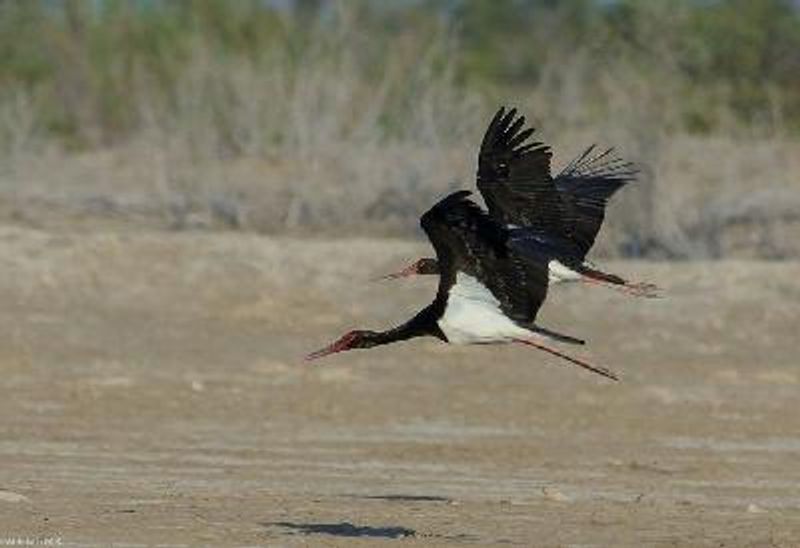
x,y
514,175
515,181
586,184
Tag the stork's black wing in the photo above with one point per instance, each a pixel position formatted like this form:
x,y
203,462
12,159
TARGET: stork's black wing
x,y
585,186
514,176
468,240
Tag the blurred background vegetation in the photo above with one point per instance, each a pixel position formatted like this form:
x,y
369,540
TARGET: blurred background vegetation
x,y
312,116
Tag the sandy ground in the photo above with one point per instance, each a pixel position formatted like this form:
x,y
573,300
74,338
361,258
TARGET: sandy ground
x,y
153,393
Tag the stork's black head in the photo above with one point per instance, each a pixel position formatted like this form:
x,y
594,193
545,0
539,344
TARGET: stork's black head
x,y
425,266
351,340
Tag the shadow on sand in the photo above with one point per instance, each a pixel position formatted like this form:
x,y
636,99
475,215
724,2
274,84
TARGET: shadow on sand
x,y
403,498
344,529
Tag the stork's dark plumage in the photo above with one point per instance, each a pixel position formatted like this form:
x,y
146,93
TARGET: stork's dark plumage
x,y
488,292
558,216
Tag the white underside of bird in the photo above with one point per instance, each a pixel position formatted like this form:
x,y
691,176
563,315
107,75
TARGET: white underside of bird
x,y
558,272
473,315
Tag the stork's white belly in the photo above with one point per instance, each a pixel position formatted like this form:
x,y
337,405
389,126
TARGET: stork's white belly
x,y
558,272
473,315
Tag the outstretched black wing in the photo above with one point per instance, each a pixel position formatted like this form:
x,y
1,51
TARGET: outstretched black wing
x,y
514,175
467,240
585,186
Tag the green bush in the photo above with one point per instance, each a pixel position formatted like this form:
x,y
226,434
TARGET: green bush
x,y
91,68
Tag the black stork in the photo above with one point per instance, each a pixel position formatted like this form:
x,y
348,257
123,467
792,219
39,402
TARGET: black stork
x,y
488,292
562,213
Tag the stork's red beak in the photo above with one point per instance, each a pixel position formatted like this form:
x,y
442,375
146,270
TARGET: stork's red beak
x,y
332,349
411,270
344,343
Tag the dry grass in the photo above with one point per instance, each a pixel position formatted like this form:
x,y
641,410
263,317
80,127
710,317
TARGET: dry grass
x,y
697,198
330,144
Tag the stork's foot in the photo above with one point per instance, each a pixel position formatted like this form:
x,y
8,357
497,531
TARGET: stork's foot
x,y
634,289
641,289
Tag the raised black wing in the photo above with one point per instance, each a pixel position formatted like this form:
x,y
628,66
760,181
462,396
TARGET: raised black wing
x,y
468,240
514,175
585,186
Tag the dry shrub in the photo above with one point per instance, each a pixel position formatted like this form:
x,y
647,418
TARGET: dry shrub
x,y
332,142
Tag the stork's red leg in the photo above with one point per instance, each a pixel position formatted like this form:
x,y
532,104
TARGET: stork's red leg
x,y
637,289
586,365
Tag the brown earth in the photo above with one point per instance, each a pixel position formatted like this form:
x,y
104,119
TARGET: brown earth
x,y
153,393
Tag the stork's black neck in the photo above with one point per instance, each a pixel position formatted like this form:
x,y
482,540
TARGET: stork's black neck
x,y
423,324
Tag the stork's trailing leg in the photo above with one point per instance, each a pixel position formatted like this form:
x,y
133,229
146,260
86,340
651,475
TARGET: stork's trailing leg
x,y
586,365
636,289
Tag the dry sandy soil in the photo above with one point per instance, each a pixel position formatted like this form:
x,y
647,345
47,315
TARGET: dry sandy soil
x,y
153,393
